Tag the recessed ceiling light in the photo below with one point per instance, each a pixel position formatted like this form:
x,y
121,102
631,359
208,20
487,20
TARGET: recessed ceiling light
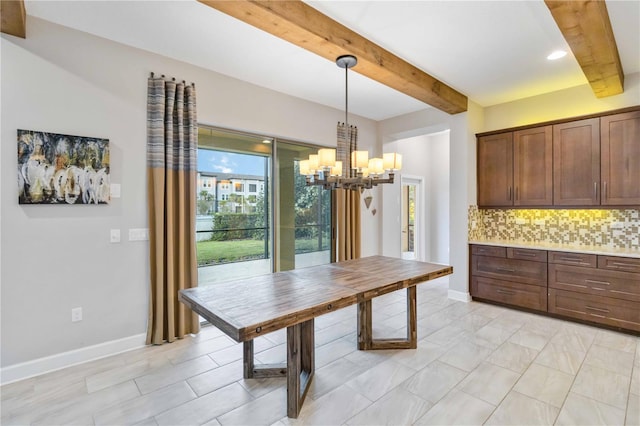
x,y
266,141
557,55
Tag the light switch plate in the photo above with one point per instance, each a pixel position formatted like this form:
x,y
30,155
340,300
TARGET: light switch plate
x,y
114,236
115,190
138,234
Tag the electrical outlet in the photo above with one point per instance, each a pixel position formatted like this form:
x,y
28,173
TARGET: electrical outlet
x,y
115,236
76,314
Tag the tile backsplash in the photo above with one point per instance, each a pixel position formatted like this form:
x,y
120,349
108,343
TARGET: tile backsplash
x,y
611,228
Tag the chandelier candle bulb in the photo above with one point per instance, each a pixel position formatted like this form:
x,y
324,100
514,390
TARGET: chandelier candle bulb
x,y
326,157
304,168
392,161
313,163
360,159
375,166
336,170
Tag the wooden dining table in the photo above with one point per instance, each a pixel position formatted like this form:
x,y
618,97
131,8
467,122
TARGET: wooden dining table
x,y
247,308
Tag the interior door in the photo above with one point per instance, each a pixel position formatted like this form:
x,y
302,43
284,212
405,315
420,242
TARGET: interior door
x,y
409,220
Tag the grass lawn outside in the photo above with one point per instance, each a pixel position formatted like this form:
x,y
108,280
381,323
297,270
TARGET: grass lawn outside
x,y
217,252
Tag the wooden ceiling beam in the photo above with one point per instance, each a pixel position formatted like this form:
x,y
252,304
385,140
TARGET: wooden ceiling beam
x,y
306,27
13,19
586,26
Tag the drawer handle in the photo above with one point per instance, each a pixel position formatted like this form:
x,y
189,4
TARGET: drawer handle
x,y
509,293
605,311
571,259
627,265
597,282
505,270
524,253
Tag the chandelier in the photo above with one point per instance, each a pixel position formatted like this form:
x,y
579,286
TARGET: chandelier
x,y
360,172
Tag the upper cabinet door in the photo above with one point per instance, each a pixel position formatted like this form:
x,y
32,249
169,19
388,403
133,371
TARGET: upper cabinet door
x,y
620,145
533,167
576,163
495,170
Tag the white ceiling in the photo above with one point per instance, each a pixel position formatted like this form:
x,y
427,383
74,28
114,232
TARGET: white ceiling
x,y
492,51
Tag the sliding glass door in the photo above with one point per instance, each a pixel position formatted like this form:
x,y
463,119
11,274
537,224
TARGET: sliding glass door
x,y
249,223
303,222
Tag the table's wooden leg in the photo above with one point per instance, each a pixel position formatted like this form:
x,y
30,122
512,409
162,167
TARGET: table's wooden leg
x,y
252,371
365,333
299,369
300,365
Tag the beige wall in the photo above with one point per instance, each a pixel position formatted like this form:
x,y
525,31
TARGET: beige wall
x,y
567,103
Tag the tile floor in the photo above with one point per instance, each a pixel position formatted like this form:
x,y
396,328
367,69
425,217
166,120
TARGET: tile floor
x,y
475,364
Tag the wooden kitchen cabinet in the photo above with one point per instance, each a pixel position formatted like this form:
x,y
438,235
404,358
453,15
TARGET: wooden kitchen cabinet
x,y
620,151
594,288
589,161
515,168
495,170
504,276
576,163
602,292
533,167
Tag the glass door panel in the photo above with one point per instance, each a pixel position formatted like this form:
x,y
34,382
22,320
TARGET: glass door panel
x,y
303,220
408,221
233,222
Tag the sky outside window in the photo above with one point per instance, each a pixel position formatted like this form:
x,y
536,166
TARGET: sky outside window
x,y
228,162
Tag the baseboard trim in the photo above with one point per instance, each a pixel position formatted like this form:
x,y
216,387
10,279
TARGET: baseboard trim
x,y
460,296
25,370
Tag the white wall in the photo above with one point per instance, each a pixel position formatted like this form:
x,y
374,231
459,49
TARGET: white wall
x,y
462,186
55,258
425,157
437,194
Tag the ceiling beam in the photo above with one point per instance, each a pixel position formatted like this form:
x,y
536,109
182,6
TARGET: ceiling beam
x,y
306,27
13,18
586,26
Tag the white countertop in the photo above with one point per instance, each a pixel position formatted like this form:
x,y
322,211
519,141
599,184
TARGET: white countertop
x,y
573,248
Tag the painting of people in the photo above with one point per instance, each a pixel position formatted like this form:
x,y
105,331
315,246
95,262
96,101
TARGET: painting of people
x,y
62,169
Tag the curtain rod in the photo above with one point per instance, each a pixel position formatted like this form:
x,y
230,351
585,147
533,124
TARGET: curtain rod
x,y
172,79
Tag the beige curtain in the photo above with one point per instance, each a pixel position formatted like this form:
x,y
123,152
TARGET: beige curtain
x,y
348,224
347,201
172,138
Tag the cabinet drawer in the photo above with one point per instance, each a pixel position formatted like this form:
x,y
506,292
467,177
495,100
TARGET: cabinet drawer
x,y
510,293
576,259
603,310
489,251
527,254
521,271
627,264
600,282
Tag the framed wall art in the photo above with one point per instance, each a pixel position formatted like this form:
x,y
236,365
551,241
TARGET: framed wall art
x,y
62,169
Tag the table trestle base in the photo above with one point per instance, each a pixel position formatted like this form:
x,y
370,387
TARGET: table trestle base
x,y
365,330
298,370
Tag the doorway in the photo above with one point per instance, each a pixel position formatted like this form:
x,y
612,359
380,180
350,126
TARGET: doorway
x,y
411,223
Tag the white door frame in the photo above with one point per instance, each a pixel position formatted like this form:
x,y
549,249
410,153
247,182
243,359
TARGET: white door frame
x,y
419,246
